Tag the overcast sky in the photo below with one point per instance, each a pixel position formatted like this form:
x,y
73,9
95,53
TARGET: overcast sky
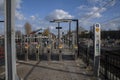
x,y
39,12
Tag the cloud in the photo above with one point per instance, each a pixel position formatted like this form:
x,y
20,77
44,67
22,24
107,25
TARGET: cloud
x,y
95,12
99,6
113,2
86,24
83,8
113,24
19,26
102,2
90,12
33,17
59,14
96,15
18,4
1,7
52,27
19,15
87,13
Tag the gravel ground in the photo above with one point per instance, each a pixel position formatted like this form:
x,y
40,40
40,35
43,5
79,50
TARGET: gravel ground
x,y
2,72
53,70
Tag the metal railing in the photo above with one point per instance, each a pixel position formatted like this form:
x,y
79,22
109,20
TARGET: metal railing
x,y
110,65
87,55
109,62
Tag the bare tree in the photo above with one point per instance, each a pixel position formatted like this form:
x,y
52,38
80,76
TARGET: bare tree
x,y
27,28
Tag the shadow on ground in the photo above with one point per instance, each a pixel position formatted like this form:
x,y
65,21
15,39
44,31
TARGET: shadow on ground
x,y
44,57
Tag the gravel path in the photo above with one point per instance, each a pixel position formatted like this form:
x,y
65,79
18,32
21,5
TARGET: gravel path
x,y
53,70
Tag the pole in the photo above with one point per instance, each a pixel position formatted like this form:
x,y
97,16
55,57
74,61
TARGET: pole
x,y
26,49
37,52
97,41
69,33
88,50
77,25
21,43
10,52
58,34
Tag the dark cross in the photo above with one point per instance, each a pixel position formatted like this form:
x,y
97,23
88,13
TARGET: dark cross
x,y
1,21
58,32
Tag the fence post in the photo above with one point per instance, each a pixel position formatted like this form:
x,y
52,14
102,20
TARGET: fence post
x,y
60,54
106,60
49,53
76,51
37,52
26,54
87,55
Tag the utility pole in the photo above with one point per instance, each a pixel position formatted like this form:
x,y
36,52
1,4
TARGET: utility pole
x,y
10,52
69,33
77,25
58,33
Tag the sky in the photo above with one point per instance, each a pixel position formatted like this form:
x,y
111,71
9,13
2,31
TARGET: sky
x,y
39,13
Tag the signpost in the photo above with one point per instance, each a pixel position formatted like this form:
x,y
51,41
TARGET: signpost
x,y
97,40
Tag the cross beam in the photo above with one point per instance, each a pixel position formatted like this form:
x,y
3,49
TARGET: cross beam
x,y
77,27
